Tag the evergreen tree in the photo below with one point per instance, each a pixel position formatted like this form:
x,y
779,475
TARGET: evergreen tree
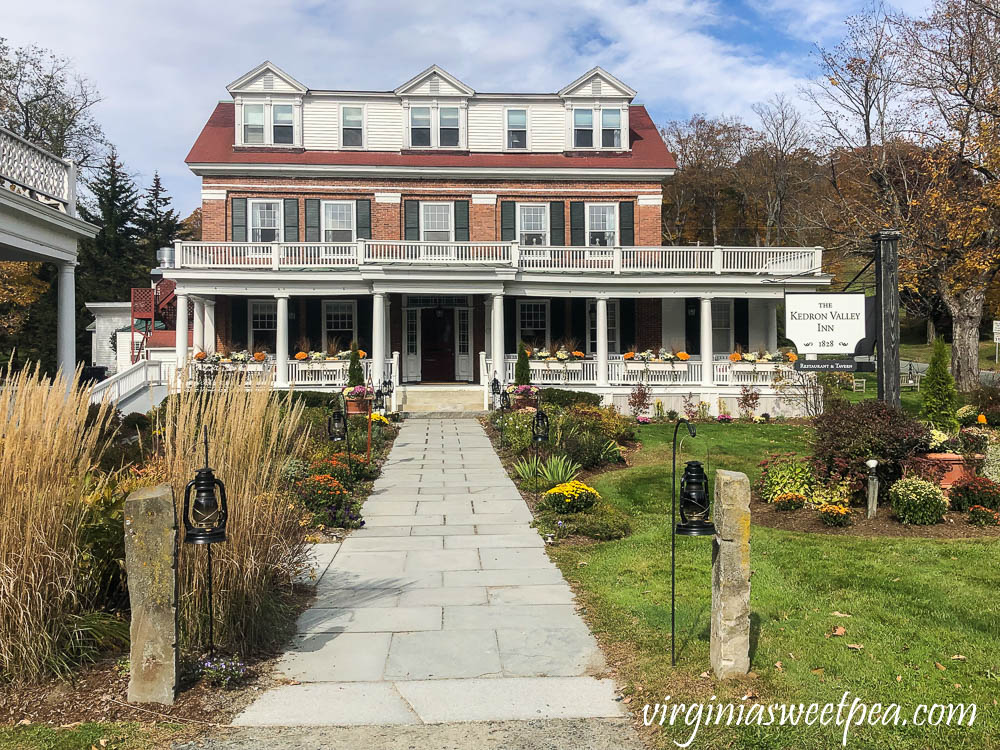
x,y
158,223
938,397
355,375
522,370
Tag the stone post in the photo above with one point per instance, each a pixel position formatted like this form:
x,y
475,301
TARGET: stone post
x,y
730,640
151,566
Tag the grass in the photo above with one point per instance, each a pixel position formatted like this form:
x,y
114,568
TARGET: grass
x,y
117,735
922,353
913,604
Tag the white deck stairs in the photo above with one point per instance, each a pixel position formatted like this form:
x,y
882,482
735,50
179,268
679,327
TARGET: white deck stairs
x,y
445,400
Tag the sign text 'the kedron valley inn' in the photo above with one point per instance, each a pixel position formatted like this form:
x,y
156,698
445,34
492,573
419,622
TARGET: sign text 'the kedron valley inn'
x,y
825,323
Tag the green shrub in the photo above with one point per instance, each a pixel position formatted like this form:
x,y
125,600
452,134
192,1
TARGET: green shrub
x,y
559,469
938,397
917,501
835,515
586,448
603,522
522,370
980,516
833,491
966,415
355,375
528,470
789,501
781,474
561,397
570,497
971,491
603,420
990,467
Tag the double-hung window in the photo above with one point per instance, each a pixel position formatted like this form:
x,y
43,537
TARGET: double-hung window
x,y
253,124
611,128
533,323
602,224
282,126
436,224
613,344
722,326
340,326
338,221
517,128
533,224
583,128
265,221
448,127
352,127
420,127
263,324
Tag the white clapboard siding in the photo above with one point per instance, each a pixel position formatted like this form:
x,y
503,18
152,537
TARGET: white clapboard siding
x,y
486,126
319,124
384,126
268,81
547,126
435,85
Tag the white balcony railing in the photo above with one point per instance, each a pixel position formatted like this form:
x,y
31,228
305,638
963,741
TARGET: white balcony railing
x,y
35,172
764,261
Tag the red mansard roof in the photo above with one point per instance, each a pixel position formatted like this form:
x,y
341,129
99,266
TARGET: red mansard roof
x,y
215,146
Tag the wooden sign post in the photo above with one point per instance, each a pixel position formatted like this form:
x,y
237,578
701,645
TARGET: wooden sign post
x,y
887,301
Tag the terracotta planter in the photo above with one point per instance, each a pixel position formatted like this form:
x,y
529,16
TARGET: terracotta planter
x,y
522,402
358,405
952,466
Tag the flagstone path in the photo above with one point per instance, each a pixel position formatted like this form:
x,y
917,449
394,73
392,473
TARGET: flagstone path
x,y
444,608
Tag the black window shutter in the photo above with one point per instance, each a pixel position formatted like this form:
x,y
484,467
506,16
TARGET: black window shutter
x,y
239,219
626,223
363,218
411,220
238,321
692,325
291,213
577,229
312,220
508,227
557,223
741,323
461,221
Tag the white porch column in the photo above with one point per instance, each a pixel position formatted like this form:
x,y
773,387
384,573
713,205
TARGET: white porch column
x,y
772,325
497,335
281,342
199,325
181,335
378,338
209,326
602,341
707,361
66,320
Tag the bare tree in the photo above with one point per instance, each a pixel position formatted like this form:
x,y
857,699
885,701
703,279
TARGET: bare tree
x,y
783,148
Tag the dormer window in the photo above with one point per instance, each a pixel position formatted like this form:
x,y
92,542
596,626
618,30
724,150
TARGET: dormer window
x,y
583,128
253,124
420,127
611,128
282,124
352,131
448,127
517,128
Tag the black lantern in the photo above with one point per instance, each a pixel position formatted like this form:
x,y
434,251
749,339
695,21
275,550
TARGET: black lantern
x,y
206,513
504,400
540,427
694,502
379,400
495,389
336,424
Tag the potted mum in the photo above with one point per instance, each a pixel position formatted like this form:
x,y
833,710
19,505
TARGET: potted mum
x,y
522,396
357,395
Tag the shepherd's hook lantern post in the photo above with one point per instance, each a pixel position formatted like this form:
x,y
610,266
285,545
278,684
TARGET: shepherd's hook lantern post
x,y
205,516
539,434
338,430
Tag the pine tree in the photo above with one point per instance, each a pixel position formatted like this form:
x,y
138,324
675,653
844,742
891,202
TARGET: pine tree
x,y
938,397
355,375
158,224
522,370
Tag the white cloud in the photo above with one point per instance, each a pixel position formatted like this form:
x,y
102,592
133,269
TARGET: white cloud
x,y
161,67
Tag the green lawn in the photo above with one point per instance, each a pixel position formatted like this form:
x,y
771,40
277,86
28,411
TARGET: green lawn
x,y
115,735
913,603
922,353
909,398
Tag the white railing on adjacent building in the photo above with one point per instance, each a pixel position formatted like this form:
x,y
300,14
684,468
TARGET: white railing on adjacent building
x,y
121,385
35,172
776,261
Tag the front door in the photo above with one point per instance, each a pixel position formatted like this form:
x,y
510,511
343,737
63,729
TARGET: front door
x,y
437,344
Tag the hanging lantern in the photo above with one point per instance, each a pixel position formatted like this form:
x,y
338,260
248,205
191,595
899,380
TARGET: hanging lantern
x,y
694,502
205,513
336,424
387,388
504,400
379,399
540,427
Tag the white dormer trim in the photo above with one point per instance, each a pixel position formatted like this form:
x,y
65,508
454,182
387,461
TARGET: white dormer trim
x,y
413,83
266,66
622,89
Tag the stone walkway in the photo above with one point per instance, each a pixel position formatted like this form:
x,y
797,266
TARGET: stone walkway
x,y
444,608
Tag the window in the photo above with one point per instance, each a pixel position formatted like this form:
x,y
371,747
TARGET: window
x,y
411,331
436,224
463,330
420,127
448,127
533,323
339,324
281,115
517,128
611,128
533,224
722,329
583,128
263,324
265,221
602,224
613,344
253,123
353,125
338,221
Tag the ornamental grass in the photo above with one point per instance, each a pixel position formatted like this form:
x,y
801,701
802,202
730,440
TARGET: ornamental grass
x,y
48,451
255,434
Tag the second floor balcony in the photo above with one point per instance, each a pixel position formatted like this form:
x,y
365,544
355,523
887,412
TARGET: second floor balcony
x,y
306,256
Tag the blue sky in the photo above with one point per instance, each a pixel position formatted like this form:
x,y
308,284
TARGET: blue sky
x,y
162,66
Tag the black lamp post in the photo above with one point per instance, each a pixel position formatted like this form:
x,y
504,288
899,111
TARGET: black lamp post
x,y
205,517
337,428
504,408
539,434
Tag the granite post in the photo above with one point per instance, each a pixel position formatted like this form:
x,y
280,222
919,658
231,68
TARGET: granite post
x,y
151,566
730,639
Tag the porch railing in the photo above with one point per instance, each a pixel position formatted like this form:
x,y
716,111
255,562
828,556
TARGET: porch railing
x,y
35,172
776,261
